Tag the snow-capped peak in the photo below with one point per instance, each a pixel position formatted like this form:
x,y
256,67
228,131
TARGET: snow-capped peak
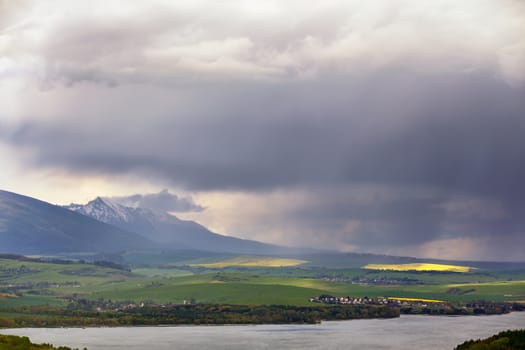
x,y
160,227
108,211
104,210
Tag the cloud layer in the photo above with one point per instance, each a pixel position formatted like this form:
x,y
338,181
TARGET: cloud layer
x,y
182,43
389,126
164,201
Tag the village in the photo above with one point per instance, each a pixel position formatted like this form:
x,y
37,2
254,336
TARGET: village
x,y
397,302
425,306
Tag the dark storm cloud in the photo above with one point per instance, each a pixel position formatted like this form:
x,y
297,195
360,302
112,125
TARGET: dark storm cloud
x,y
454,134
164,201
448,150
380,217
409,98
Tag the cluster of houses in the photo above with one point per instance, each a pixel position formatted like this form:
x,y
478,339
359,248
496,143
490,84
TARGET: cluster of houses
x,y
328,299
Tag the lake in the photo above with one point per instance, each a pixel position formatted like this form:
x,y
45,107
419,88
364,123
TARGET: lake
x,y
406,332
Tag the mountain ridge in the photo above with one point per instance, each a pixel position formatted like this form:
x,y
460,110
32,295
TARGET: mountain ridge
x,y
167,229
32,226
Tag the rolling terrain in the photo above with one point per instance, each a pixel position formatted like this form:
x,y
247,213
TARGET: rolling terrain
x,y
29,282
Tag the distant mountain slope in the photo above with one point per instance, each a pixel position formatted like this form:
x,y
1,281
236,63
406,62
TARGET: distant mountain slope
x,y
31,226
169,230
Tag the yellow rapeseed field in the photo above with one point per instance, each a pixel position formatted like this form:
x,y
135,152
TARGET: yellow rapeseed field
x,y
418,267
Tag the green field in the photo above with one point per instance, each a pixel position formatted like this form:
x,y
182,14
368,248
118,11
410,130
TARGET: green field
x,y
39,283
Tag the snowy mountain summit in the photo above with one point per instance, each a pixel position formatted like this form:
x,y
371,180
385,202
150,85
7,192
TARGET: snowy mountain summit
x,y
110,212
104,210
165,228
139,220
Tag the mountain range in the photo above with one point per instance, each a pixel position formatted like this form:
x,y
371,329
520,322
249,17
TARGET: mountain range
x,y
31,226
103,227
166,229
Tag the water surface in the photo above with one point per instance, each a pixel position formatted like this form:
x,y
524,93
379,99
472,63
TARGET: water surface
x,y
407,332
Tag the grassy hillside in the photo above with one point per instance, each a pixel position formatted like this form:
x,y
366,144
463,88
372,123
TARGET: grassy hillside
x,y
40,283
508,340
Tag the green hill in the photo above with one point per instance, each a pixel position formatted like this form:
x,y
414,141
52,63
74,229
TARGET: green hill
x,y
508,340
13,342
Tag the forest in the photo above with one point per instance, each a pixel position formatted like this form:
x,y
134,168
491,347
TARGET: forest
x,y
209,314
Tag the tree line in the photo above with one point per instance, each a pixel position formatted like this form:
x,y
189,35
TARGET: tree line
x,y
209,314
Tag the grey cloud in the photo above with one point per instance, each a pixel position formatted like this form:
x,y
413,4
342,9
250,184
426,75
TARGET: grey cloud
x,y
170,43
340,96
163,201
389,219
456,134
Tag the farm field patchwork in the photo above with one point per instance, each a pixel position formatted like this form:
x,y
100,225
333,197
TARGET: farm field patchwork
x,y
34,283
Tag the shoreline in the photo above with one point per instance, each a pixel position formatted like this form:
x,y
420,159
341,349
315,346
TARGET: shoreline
x,y
410,332
256,324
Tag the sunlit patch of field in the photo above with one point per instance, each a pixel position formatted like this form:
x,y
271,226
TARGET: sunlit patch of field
x,y
416,299
254,261
418,267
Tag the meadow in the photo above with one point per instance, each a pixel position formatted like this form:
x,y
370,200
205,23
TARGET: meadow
x,y
34,283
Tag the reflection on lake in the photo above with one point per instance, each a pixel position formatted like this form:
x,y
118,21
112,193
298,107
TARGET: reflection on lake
x,y
407,332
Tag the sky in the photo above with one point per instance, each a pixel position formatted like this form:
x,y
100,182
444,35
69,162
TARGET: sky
x,y
392,127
